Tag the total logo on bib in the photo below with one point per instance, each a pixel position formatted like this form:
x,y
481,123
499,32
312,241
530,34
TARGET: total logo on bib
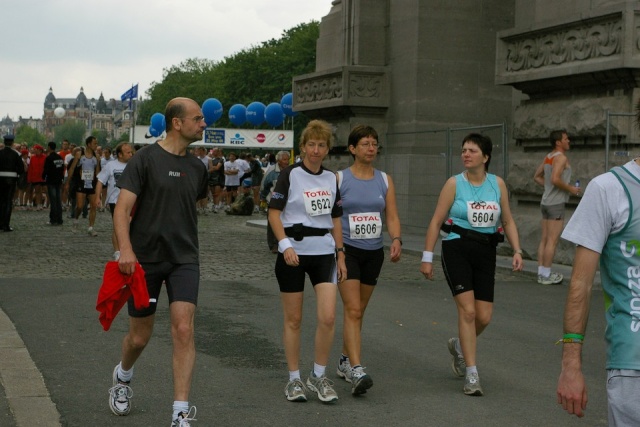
x,y
366,225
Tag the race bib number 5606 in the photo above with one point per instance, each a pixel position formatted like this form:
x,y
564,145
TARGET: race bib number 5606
x,y
365,225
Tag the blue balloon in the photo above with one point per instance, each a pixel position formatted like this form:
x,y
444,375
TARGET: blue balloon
x,y
154,132
158,122
273,114
287,105
255,113
212,110
238,114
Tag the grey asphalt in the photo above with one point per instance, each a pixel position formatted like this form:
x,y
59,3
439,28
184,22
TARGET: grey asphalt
x,y
56,361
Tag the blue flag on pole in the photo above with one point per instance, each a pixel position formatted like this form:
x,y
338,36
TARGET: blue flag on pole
x,y
130,94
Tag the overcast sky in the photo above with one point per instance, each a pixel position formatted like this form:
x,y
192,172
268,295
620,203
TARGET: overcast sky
x,y
105,46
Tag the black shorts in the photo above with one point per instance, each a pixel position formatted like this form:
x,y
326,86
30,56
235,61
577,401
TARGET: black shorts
x,y
320,268
216,181
182,282
363,265
469,266
88,191
231,187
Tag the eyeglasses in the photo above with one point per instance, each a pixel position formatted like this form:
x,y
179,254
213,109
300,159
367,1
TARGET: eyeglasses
x,y
196,119
368,145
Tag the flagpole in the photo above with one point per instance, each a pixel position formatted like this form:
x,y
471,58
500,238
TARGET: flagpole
x,y
133,117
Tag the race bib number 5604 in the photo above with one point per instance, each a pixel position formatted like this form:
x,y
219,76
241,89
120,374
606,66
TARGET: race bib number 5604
x,y
483,214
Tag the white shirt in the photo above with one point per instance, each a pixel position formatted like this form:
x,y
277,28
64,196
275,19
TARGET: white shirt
x,y
604,209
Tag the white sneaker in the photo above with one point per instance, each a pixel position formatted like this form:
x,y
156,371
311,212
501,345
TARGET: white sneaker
x,y
553,279
91,232
184,418
120,395
360,381
344,370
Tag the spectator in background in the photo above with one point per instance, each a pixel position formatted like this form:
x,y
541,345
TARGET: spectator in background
x,y
266,190
22,179
11,168
232,178
201,154
108,177
65,150
256,179
86,168
554,174
52,175
34,177
216,178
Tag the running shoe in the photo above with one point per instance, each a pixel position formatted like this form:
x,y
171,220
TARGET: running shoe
x,y
553,279
295,391
120,395
472,385
91,232
323,387
458,365
360,381
184,418
344,370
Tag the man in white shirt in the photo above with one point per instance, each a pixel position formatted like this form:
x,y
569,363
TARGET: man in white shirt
x,y
109,177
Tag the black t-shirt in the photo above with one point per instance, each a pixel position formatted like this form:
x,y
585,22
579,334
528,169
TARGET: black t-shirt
x,y
53,173
164,226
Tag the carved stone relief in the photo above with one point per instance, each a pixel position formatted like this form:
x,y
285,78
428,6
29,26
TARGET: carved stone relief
x,y
575,43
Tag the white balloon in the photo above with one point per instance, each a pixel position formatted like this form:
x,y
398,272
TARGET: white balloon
x,y
59,112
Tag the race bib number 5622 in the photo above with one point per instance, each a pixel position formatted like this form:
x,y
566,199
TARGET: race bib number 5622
x,y
317,201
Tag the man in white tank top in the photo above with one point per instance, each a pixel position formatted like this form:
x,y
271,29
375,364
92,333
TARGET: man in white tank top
x,y
554,174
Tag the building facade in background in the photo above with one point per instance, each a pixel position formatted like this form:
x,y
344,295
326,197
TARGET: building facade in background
x,y
113,116
426,72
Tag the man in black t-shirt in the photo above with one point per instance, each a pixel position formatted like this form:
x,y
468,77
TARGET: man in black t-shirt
x,y
155,221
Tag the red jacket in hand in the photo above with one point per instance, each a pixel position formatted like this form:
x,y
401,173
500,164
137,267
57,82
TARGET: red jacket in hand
x,y
117,288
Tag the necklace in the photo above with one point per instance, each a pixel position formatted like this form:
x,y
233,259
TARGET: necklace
x,y
476,189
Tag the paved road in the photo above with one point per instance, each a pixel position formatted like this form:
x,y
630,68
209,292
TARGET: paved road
x,y
48,287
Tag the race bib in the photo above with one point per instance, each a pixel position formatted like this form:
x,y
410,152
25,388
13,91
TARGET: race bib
x,y
365,225
483,214
317,201
87,174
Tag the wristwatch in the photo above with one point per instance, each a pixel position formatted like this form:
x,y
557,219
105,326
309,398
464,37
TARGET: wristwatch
x,y
341,250
398,238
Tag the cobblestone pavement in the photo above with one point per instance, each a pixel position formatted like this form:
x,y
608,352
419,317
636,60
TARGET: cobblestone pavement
x,y
229,250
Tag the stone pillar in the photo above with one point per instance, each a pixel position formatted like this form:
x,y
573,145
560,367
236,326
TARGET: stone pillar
x,y
573,61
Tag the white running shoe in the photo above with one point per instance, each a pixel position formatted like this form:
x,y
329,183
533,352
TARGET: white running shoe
x,y
120,395
184,418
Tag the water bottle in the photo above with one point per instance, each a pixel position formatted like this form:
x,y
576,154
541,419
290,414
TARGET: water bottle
x,y
445,229
577,183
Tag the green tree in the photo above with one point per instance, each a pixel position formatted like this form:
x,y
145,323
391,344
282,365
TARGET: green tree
x,y
102,136
260,73
123,138
29,135
70,130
